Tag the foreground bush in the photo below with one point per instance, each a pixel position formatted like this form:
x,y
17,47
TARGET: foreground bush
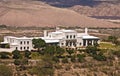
x,y
81,57
5,71
4,55
100,57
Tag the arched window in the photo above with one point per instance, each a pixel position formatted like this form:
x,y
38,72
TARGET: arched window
x,y
74,36
67,36
20,42
24,48
20,48
27,42
70,36
27,48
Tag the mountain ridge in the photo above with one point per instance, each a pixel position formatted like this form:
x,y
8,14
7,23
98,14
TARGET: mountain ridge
x,y
34,13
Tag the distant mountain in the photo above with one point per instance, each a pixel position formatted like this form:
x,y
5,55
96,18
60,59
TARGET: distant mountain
x,y
102,11
36,13
70,3
105,9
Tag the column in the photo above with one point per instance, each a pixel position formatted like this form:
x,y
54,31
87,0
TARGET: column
x,y
86,43
92,42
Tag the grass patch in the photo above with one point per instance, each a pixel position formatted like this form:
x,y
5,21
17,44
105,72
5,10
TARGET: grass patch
x,y
106,45
35,55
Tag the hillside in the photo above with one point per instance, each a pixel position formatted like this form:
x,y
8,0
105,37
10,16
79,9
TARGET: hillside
x,y
95,8
34,13
105,10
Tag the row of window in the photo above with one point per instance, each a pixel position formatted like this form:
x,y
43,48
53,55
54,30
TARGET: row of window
x,y
24,42
70,36
23,48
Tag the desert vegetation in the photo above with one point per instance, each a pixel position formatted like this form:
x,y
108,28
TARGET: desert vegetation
x,y
55,61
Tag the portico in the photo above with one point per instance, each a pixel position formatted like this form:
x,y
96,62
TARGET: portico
x,y
88,42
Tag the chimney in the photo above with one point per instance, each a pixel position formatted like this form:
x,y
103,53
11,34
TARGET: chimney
x,y
57,28
86,30
45,33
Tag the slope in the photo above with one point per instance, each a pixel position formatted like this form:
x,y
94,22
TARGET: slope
x,y
34,13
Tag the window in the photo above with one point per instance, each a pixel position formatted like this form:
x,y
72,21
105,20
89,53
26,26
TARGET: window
x,y
24,48
27,42
16,48
67,36
20,42
70,43
70,36
20,48
27,48
74,36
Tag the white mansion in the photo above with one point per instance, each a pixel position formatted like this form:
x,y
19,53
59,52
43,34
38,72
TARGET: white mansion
x,y
61,37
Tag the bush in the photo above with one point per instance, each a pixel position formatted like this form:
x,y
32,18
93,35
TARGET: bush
x,y
65,60
27,54
21,61
5,71
73,58
81,57
56,59
16,54
70,52
4,55
17,62
117,53
99,57
58,66
92,50
35,55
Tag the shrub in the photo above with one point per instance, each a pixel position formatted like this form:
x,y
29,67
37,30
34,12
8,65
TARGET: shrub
x,y
65,60
5,71
70,52
99,57
56,59
27,54
4,55
16,54
17,62
73,58
35,55
58,66
81,57
117,53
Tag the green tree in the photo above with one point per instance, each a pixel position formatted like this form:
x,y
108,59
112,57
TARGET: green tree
x,y
92,50
70,52
50,50
38,43
5,71
16,54
59,51
4,55
100,57
113,39
27,54
17,62
81,57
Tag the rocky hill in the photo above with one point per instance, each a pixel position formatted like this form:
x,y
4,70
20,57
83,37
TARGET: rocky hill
x,y
96,8
104,10
37,13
